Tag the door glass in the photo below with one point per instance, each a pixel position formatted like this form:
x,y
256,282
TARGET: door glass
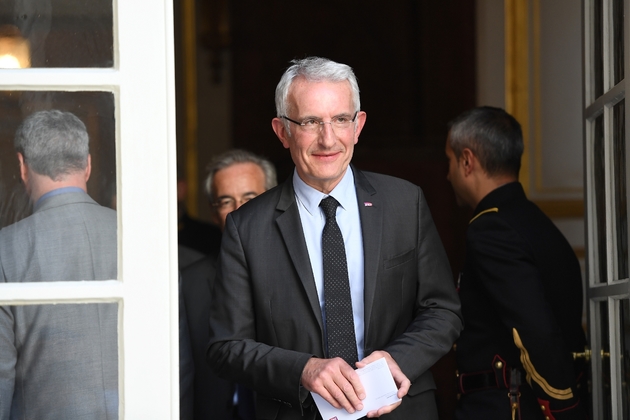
x,y
56,33
624,314
600,197
598,47
621,210
618,28
51,229
94,109
60,361
606,390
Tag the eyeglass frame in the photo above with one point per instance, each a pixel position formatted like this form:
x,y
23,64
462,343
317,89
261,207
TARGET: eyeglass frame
x,y
320,123
234,202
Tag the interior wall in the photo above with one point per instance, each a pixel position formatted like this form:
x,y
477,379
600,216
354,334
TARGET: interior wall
x,y
554,168
490,64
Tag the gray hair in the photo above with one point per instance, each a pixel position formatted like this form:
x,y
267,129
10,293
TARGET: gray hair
x,y
235,156
493,135
314,69
53,143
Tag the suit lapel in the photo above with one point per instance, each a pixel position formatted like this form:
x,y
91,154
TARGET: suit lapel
x,y
291,229
371,212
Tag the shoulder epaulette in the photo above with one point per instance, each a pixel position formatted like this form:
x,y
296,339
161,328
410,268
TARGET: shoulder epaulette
x,y
492,210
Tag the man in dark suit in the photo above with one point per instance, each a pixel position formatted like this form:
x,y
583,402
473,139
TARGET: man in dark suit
x,y
521,287
234,178
269,324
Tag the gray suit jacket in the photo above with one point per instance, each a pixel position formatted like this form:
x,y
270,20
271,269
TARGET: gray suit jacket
x,y
265,322
59,361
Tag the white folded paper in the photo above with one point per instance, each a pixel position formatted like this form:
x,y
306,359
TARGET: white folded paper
x,y
380,390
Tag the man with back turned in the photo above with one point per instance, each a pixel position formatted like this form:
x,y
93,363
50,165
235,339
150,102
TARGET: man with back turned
x,y
58,361
520,289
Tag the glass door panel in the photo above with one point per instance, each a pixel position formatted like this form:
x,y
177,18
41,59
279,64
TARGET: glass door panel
x,y
599,163
56,33
620,190
624,322
61,360
94,109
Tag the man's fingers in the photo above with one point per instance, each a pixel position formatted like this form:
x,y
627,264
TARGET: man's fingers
x,y
383,410
335,381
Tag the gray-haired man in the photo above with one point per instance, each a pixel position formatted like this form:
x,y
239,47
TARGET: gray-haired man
x,y
58,361
234,178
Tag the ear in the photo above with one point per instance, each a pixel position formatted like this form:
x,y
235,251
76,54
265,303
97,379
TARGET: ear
x,y
468,161
278,127
361,118
23,168
88,168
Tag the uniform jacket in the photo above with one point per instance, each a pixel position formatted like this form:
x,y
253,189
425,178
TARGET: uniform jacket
x,y
521,294
266,321
59,361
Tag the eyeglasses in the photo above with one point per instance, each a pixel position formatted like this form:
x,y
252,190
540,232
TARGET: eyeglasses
x,y
313,125
230,203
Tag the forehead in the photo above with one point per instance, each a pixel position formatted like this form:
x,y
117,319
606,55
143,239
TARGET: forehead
x,y
239,177
315,98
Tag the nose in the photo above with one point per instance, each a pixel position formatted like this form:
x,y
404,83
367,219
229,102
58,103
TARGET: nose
x,y
327,136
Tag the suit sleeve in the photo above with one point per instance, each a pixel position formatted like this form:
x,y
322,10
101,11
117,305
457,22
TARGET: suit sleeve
x,y
437,319
8,357
233,352
511,280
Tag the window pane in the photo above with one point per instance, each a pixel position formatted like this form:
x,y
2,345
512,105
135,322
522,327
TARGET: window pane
x,y
618,29
621,217
56,33
59,361
598,47
53,230
606,391
624,306
599,182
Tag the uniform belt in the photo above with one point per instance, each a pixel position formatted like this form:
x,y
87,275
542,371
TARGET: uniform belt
x,y
497,377
476,381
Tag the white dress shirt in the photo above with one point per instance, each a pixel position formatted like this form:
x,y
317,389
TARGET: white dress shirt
x,y
349,221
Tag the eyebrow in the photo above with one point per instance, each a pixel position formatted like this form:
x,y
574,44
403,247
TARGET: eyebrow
x,y
242,195
313,117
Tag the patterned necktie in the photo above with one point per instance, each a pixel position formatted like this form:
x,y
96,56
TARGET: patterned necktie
x,y
339,321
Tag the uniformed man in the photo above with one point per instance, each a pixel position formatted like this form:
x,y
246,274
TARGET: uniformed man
x,y
521,289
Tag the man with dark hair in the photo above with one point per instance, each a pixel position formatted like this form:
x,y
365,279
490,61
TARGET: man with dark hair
x,y
58,361
234,177
521,289
334,269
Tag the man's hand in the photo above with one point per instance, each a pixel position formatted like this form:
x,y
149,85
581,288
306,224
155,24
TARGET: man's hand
x,y
335,381
402,382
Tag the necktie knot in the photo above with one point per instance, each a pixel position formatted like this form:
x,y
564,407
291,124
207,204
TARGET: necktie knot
x,y
329,205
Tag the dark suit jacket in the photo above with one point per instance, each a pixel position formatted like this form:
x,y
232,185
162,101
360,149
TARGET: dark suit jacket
x,y
200,236
522,274
212,395
266,321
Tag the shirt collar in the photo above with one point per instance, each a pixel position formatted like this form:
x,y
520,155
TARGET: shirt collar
x,y
310,197
58,191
